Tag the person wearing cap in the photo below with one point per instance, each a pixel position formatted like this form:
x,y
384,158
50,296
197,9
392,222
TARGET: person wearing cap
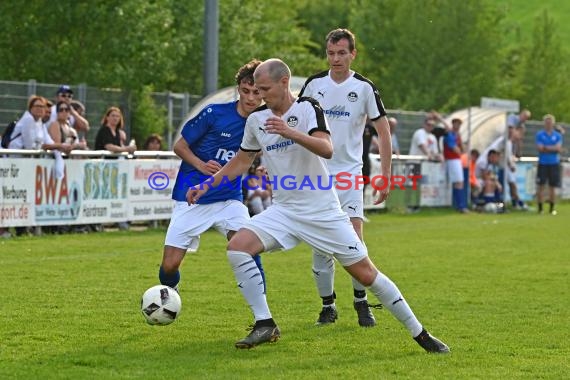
x,y
452,149
78,122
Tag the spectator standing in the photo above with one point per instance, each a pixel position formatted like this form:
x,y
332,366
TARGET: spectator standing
x,y
514,121
78,122
549,145
424,143
111,135
469,173
452,146
348,99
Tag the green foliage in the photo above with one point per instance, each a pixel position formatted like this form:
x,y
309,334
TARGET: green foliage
x,y
147,116
442,54
494,289
433,54
545,72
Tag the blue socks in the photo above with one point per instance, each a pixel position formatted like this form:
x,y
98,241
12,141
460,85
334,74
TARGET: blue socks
x,y
168,279
458,198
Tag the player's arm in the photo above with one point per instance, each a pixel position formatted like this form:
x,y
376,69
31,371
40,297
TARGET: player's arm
x,y
317,140
384,145
237,166
183,150
385,149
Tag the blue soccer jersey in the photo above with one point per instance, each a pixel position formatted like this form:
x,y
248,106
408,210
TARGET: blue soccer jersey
x,y
546,139
214,134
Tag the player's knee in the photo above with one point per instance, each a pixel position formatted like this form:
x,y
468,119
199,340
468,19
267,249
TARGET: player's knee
x,y
170,265
172,259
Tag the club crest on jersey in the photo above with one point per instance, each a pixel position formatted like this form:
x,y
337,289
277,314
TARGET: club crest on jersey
x,y
352,96
292,121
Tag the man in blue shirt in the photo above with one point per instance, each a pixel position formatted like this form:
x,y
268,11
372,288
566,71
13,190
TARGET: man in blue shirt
x,y
209,141
549,144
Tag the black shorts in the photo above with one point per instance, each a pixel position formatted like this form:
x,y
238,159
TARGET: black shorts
x,y
548,174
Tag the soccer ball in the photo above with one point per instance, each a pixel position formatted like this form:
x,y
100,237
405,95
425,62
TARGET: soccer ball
x,y
491,208
160,305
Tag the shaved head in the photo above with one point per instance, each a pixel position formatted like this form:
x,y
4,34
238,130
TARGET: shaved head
x,y
274,68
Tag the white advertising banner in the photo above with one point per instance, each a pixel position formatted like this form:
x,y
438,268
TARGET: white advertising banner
x,y
105,190
435,191
17,195
93,191
150,188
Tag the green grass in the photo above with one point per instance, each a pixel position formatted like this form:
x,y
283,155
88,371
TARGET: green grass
x,y
494,287
521,16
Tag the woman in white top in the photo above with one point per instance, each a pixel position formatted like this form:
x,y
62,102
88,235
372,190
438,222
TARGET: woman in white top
x,y
30,132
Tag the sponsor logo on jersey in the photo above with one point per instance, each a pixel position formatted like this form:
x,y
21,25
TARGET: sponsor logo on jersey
x,y
352,96
292,121
225,155
280,146
226,134
337,112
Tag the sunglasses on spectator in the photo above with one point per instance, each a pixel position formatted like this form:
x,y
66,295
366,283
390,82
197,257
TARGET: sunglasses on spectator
x,y
64,109
64,95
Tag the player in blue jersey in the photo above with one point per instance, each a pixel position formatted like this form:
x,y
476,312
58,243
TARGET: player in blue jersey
x,y
549,145
208,142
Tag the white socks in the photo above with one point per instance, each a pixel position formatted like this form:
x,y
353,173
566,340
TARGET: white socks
x,y
250,283
390,296
323,272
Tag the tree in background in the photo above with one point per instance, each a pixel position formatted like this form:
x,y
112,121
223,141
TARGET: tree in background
x,y
544,72
442,54
432,54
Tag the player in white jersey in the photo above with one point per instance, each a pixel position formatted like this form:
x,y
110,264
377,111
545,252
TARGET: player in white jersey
x,y
294,137
347,99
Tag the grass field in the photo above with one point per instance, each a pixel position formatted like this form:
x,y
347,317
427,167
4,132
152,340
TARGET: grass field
x,y
494,287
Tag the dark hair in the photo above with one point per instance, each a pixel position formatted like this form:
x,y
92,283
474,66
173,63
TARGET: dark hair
x,y
152,137
245,73
492,151
338,34
59,104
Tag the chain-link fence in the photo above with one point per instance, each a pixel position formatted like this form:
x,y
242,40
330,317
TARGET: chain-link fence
x,y
14,98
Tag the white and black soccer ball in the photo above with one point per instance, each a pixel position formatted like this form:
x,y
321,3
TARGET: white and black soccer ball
x,y
160,305
491,208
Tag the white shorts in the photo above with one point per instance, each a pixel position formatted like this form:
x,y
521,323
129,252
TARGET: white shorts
x,y
329,231
511,176
352,202
454,170
189,221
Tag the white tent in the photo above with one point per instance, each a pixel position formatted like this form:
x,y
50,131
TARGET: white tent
x,y
228,94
